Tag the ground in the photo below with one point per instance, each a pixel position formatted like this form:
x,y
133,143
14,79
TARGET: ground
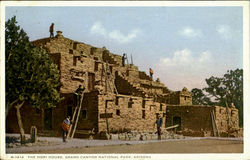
x,y
187,145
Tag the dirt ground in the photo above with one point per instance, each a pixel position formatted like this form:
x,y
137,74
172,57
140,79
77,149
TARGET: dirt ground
x,y
187,146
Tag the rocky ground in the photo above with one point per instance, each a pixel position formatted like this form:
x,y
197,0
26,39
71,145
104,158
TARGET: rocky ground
x,y
55,145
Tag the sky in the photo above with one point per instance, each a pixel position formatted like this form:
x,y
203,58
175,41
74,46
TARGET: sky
x,y
183,45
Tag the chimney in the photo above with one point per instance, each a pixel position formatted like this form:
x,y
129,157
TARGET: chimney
x,y
59,34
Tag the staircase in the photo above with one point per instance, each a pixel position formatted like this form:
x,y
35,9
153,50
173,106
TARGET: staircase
x,y
134,87
143,75
108,57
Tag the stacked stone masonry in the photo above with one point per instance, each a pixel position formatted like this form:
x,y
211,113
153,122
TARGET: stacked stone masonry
x,y
134,109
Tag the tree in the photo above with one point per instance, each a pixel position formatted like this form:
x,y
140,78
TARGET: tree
x,y
199,98
227,90
31,77
223,91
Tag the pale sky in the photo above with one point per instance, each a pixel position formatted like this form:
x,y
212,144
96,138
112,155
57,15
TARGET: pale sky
x,y
183,45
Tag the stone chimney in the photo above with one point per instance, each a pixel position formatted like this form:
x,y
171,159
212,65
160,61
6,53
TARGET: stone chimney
x,y
59,34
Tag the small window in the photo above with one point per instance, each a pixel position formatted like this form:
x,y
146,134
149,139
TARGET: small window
x,y
117,101
143,114
118,112
96,66
220,111
111,69
74,45
130,103
70,51
185,98
74,61
157,114
84,114
69,111
92,51
143,103
160,107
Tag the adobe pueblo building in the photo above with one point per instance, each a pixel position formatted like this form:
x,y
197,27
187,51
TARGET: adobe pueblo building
x,y
118,98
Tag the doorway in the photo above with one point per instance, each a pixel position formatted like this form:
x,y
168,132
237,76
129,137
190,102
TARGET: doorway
x,y
177,120
48,119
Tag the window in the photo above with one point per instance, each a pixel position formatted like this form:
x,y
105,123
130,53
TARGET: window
x,y
111,69
143,103
70,51
74,45
96,66
117,101
84,114
143,114
220,110
160,107
69,111
74,61
130,103
92,50
118,112
157,114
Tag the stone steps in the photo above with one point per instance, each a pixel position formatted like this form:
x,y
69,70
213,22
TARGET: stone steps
x,y
136,87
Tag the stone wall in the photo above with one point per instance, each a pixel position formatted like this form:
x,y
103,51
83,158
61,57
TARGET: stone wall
x,y
183,97
196,120
134,108
128,113
227,120
30,117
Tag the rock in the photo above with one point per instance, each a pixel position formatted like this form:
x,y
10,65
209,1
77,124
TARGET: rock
x,y
28,144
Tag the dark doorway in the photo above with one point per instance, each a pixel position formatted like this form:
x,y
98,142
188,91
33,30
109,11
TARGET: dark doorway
x,y
48,119
69,111
177,120
91,81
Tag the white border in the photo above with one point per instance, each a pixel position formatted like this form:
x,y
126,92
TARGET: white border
x,y
246,66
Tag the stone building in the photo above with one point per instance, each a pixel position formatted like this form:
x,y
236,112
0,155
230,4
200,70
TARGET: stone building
x,y
134,106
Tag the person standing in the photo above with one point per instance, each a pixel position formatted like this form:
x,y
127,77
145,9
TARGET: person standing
x,y
77,94
123,59
51,30
159,125
65,128
151,72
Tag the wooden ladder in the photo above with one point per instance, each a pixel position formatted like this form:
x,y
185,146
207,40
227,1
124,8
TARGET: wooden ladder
x,y
215,128
74,123
109,79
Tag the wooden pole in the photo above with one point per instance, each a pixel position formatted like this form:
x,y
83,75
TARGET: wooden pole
x,y
78,113
132,60
212,118
107,123
73,121
216,127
